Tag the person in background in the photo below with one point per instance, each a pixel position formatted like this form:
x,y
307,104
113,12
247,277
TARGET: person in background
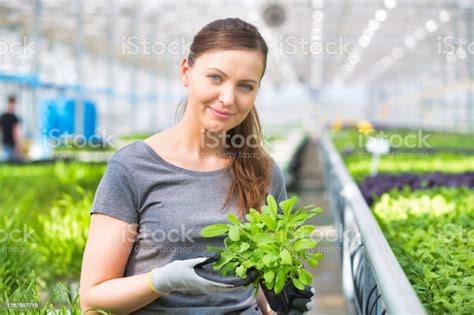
x,y
11,132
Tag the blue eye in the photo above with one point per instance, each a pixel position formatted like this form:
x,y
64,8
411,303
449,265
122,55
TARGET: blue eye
x,y
217,78
248,87
214,77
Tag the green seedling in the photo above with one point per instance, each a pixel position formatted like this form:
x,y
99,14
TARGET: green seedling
x,y
276,244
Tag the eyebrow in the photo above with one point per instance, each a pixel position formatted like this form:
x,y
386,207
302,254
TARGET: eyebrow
x,y
246,80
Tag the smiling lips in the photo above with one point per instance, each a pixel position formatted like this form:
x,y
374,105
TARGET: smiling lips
x,y
221,113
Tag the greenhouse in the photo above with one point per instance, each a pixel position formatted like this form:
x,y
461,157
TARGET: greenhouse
x,y
237,157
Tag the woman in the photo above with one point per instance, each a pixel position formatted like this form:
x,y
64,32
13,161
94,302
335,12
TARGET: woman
x,y
156,195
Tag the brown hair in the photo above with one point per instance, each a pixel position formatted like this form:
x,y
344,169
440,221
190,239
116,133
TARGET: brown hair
x,y
251,165
11,98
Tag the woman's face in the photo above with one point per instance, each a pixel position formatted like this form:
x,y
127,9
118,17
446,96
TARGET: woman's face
x,y
222,87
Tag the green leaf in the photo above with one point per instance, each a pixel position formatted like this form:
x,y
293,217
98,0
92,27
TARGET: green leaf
x,y
214,230
269,276
304,244
223,260
281,235
248,264
213,248
304,231
255,215
303,216
280,281
304,276
269,258
316,210
229,269
234,233
273,207
244,246
263,238
468,280
297,283
285,257
312,262
268,247
269,222
241,271
288,204
232,218
313,259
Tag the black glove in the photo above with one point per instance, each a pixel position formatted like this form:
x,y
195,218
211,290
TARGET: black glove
x,y
301,301
205,271
290,300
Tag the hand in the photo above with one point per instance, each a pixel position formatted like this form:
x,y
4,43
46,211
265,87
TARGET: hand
x,y
302,301
190,274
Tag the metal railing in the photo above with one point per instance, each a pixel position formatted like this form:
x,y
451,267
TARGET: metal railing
x,y
373,281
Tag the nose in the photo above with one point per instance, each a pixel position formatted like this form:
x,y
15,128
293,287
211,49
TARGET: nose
x,y
226,95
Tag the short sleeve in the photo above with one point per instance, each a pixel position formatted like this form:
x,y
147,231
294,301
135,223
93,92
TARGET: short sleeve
x,y
116,194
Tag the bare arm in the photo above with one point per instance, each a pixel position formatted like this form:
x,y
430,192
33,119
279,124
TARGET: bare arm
x,y
103,285
262,303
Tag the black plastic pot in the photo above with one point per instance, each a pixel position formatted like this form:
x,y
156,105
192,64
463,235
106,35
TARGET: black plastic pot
x,y
281,302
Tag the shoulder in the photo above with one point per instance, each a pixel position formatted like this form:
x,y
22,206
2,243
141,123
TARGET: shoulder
x,y
278,178
11,118
129,155
278,184
7,115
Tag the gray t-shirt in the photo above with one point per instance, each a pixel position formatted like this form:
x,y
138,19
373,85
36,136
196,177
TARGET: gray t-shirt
x,y
171,205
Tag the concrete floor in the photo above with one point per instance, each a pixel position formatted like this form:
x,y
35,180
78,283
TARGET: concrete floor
x,y
309,186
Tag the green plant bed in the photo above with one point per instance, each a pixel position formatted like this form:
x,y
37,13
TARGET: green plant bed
x,y
431,234
50,205
87,148
359,165
352,139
